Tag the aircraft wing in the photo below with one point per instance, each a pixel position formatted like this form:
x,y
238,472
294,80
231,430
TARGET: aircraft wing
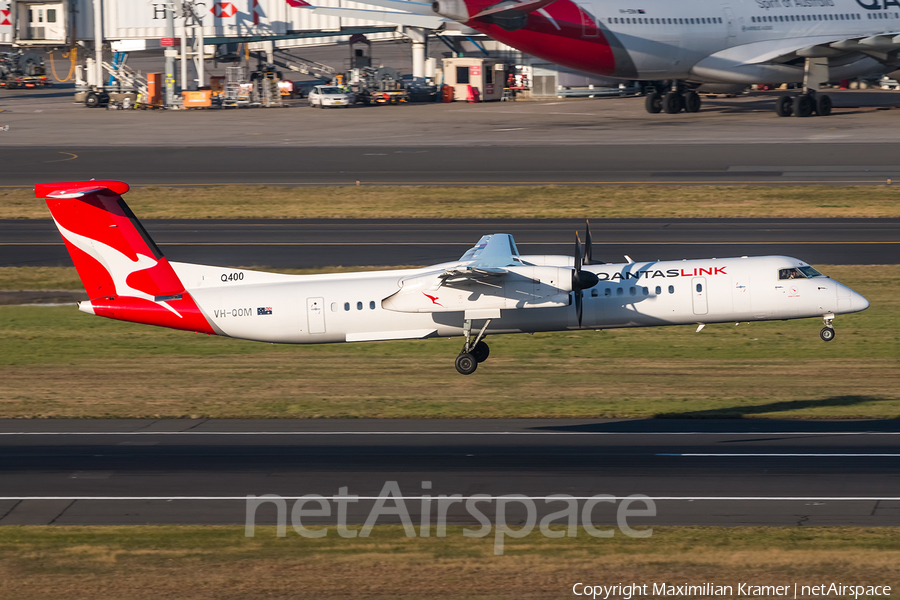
x,y
489,276
496,250
786,50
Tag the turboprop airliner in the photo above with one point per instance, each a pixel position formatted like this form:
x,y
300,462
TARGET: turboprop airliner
x,y
690,43
491,289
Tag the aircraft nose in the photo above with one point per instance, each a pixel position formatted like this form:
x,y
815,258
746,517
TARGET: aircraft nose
x,y
858,301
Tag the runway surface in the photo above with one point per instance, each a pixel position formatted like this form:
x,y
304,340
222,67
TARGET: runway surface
x,y
50,118
708,472
319,164
322,243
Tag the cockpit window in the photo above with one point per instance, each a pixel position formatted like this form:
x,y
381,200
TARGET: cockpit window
x,y
790,274
810,272
798,273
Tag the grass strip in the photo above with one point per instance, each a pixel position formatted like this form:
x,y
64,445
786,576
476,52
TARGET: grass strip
x,y
218,562
57,362
407,202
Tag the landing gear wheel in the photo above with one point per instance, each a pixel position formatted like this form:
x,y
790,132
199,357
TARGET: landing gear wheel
x,y
803,105
673,102
823,105
92,100
653,103
784,107
827,334
692,102
481,352
466,363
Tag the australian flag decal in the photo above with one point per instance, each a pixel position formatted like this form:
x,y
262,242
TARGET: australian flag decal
x,y
267,310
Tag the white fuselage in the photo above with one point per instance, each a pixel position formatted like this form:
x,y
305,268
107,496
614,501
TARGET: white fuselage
x,y
739,41
310,309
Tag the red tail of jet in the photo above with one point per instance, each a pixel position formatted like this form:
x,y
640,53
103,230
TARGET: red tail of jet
x,y
124,273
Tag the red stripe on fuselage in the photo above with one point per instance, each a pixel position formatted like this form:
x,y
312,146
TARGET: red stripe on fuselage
x,y
139,310
568,45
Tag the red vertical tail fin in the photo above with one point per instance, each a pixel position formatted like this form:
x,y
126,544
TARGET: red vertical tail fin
x,y
123,271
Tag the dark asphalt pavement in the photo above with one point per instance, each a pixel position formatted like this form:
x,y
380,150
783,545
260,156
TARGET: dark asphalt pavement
x,y
687,163
323,243
708,472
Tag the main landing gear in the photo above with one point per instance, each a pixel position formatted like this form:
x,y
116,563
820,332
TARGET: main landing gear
x,y
827,333
472,353
810,102
805,105
673,100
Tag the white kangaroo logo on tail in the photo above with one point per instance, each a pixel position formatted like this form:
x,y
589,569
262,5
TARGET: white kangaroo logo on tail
x,y
117,264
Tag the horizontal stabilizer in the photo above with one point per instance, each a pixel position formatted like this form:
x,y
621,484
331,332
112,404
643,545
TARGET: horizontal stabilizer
x,y
384,16
514,7
416,8
76,189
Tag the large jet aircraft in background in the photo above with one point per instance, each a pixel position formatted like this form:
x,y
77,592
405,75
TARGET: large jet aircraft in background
x,y
691,43
490,290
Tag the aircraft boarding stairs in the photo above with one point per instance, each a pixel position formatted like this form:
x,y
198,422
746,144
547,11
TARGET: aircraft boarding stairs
x,y
301,65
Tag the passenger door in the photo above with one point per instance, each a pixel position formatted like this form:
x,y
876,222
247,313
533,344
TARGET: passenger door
x,y
698,290
315,314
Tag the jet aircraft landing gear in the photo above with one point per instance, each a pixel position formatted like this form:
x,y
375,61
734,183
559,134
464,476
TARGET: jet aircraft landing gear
x,y
673,99
810,102
827,333
807,104
472,352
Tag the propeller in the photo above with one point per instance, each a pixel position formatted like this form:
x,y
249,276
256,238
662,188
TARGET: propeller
x,y
581,280
588,247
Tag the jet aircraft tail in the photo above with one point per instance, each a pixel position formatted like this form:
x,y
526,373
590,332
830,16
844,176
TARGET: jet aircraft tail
x,y
123,272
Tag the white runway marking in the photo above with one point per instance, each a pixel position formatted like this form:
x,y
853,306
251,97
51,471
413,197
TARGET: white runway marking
x,y
476,497
783,454
478,433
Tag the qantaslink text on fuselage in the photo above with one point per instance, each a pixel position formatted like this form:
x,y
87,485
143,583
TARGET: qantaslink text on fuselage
x,y
652,274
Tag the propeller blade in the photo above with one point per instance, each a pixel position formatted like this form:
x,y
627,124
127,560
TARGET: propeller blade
x,y
588,246
579,304
579,257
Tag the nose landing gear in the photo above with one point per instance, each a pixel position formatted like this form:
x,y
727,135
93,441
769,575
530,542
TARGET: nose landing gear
x,y
827,333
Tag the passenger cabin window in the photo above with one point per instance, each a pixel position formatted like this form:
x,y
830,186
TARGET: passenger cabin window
x,y
699,287
658,290
619,291
645,291
607,292
595,292
671,289
632,291
334,307
359,306
346,306
372,305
